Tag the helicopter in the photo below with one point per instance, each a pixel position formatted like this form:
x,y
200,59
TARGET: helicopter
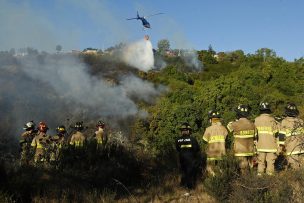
x,y
145,23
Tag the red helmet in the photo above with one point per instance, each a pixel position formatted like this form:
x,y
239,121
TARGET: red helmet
x,y
42,127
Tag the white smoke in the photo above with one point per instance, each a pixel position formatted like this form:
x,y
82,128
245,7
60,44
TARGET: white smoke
x,y
53,88
139,54
144,90
70,79
190,57
170,29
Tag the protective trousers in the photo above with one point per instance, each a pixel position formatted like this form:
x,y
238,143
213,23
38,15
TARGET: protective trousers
x,y
266,161
189,173
245,163
211,164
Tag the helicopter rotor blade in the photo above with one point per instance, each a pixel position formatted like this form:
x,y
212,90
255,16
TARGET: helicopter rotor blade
x,y
131,18
153,15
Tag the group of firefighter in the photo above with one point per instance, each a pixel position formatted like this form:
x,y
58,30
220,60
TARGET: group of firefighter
x,y
263,140
40,149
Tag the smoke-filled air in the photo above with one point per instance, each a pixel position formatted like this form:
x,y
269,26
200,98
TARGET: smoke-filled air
x,y
151,101
139,54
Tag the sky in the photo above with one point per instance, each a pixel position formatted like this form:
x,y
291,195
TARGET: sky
x,y
196,24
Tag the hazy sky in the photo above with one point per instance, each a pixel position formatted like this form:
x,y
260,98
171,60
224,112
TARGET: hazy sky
x,y
225,24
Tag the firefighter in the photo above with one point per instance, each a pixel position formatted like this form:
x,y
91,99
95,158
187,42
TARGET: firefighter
x,y
291,136
266,139
100,134
215,137
188,149
41,144
244,132
78,139
57,143
25,142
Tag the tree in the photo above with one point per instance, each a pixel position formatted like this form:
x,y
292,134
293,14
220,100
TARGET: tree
x,y
58,48
265,53
163,46
211,51
206,57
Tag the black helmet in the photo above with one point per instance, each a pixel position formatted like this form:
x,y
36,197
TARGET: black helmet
x,y
100,124
61,129
213,114
185,126
264,106
29,126
78,125
242,111
291,110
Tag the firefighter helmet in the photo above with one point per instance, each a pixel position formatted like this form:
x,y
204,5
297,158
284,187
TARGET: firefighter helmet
x,y
264,106
29,126
242,111
42,127
78,125
61,129
213,114
100,124
185,126
291,110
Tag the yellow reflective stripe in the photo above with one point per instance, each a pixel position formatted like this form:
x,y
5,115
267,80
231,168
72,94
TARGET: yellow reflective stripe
x,y
229,126
78,144
296,133
37,145
216,138
266,132
214,158
281,142
267,150
99,141
244,154
215,141
186,146
291,133
205,139
264,128
294,152
243,136
246,132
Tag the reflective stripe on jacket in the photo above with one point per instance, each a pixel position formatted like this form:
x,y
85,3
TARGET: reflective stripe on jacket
x,y
266,128
292,128
244,134
215,135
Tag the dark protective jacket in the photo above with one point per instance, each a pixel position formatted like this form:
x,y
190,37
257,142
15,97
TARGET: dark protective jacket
x,y
188,149
190,160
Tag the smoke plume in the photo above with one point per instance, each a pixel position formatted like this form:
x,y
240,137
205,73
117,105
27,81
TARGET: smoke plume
x,y
53,88
139,54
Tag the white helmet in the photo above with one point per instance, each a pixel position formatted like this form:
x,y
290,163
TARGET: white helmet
x,y
29,125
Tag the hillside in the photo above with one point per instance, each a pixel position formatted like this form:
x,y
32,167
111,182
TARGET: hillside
x,y
148,112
